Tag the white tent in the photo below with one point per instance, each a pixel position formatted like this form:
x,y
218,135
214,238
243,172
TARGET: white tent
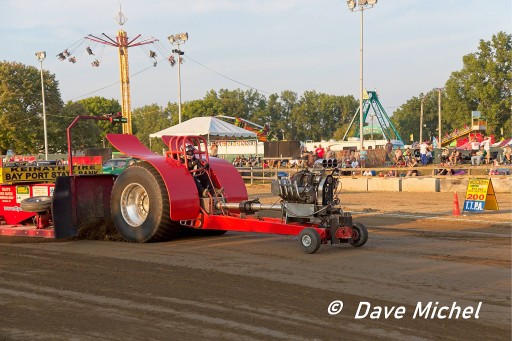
x,y
210,127
206,126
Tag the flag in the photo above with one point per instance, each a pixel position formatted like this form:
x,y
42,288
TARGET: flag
x,y
411,137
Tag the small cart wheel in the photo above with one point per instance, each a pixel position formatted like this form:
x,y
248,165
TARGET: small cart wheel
x,y
362,235
309,240
36,204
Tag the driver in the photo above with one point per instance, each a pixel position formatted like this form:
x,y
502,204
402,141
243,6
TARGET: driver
x,y
198,168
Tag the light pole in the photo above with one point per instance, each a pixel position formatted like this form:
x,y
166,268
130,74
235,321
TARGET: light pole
x,y
178,39
421,118
41,56
361,6
372,116
439,90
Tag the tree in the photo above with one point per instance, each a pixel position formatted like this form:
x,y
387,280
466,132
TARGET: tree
x,y
483,85
21,112
85,134
150,119
407,118
100,106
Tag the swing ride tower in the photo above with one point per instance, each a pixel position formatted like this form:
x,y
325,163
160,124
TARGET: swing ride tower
x,y
122,42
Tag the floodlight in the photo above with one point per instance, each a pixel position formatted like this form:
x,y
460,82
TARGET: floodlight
x,y
41,55
372,2
184,36
362,2
351,4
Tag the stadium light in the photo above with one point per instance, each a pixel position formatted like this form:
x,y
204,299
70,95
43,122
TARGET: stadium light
x,y
40,57
178,39
362,5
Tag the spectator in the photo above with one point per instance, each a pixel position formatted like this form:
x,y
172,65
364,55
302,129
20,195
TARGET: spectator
x,y
454,157
505,159
476,159
475,145
445,155
413,172
407,155
329,154
214,149
368,173
320,152
354,163
486,143
362,157
412,162
423,152
237,161
389,149
429,153
398,156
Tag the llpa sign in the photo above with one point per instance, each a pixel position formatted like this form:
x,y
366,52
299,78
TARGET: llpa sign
x,y
480,196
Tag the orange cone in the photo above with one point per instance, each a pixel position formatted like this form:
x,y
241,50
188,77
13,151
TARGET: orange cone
x,y
456,209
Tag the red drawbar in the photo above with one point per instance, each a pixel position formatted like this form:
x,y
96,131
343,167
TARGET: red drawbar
x,y
260,225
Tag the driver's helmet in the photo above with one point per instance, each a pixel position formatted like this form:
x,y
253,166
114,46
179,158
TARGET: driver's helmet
x,y
189,151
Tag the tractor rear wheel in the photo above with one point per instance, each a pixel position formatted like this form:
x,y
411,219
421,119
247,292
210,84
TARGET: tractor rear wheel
x,y
309,240
140,205
362,235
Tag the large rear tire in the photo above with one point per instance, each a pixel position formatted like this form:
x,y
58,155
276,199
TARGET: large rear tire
x,y
140,205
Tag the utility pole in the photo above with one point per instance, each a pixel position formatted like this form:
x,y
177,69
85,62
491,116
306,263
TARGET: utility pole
x,y
41,56
439,110
363,5
421,118
178,39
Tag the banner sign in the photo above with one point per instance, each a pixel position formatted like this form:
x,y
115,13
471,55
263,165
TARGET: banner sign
x,y
480,196
43,173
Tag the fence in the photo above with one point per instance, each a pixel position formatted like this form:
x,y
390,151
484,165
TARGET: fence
x,y
263,175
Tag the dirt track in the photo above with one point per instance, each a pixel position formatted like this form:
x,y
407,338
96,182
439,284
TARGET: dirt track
x,y
253,286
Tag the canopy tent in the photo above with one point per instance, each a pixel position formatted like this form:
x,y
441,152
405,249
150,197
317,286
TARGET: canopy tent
x,y
210,127
503,143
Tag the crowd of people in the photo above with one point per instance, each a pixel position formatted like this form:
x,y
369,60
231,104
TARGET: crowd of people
x,y
396,158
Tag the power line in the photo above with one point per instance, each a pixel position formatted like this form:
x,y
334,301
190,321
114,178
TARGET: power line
x,y
108,86
188,57
227,77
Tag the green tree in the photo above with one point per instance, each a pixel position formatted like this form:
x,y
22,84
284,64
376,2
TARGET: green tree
x,y
85,134
407,117
150,119
21,112
483,85
100,106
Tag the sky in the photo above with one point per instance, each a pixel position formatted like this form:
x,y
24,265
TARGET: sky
x,y
410,46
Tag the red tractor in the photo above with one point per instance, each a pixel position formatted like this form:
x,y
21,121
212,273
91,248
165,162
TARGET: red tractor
x,y
163,196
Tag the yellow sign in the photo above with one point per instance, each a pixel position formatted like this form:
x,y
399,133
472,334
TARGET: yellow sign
x,y
480,196
365,94
43,173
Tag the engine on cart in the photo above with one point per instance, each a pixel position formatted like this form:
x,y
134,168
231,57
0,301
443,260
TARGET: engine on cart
x,y
307,187
309,194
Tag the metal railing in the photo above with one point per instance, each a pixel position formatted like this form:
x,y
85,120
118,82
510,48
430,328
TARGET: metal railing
x,y
266,175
